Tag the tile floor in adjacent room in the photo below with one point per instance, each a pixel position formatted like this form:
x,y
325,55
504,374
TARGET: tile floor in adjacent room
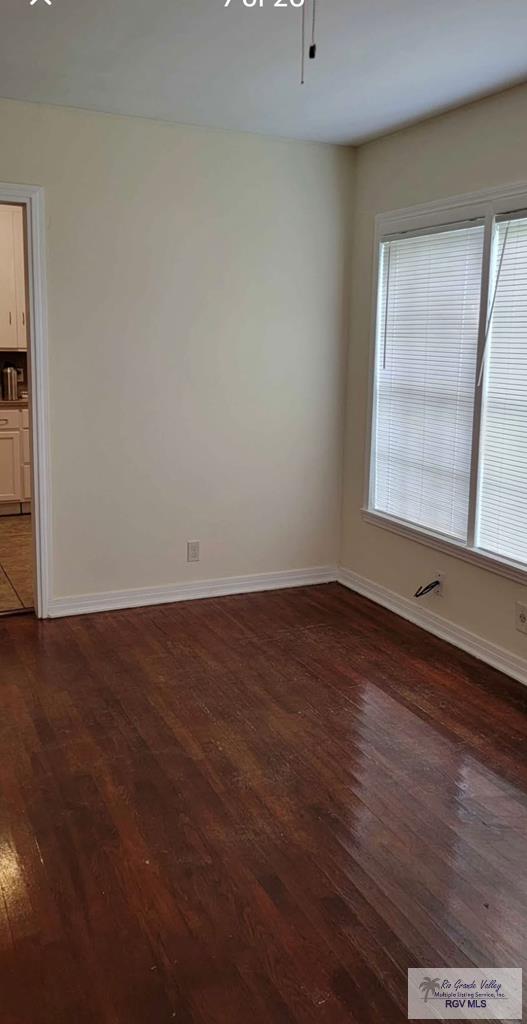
x,y
16,563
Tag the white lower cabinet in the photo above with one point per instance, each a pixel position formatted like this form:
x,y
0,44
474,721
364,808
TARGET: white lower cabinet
x,y
15,456
26,483
10,465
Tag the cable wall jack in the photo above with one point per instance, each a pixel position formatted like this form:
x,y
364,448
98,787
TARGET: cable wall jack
x,y
435,587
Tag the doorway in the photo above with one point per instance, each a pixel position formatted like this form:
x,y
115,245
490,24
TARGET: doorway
x,y
24,490
16,547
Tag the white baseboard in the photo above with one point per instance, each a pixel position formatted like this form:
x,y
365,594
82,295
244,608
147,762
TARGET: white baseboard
x,y
491,654
113,600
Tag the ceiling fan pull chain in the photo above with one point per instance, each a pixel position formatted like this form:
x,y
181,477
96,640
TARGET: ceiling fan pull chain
x,y
313,47
313,44
303,65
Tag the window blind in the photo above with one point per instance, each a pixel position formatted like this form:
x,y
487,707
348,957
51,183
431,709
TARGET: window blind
x,y
501,525
426,353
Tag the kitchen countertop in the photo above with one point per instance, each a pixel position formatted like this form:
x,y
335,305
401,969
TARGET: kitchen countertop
x,y
22,403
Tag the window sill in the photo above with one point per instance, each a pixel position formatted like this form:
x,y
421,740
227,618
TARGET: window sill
x,y
511,570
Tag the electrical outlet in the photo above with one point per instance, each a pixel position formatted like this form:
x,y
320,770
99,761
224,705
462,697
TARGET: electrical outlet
x,y
441,577
521,617
193,551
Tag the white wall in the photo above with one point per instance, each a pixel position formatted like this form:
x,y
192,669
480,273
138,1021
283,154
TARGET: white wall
x,y
197,311
477,146
197,325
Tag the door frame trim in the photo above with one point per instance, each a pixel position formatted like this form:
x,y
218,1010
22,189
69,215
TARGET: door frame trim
x,y
32,198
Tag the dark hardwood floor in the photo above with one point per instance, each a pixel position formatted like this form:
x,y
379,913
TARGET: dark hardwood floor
x,y
252,810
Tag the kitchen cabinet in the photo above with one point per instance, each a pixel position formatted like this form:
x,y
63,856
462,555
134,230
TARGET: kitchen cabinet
x,y
15,455
8,299
13,283
10,465
25,457
25,445
26,484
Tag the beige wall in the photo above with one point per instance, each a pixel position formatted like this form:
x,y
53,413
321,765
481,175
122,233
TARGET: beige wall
x,y
478,146
197,314
196,287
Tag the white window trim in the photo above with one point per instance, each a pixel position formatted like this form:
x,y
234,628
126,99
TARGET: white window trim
x,y
487,205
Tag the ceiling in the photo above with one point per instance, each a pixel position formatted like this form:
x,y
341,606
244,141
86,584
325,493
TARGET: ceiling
x,y
381,63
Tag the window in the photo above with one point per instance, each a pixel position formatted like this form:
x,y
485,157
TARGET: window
x,y
427,343
502,505
449,422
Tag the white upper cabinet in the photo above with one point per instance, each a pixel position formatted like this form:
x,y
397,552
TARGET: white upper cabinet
x,y
20,275
13,291
8,299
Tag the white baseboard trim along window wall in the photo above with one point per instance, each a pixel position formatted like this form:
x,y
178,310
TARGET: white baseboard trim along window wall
x,y
410,609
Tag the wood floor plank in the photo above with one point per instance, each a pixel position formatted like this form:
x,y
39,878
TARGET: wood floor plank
x,y
259,808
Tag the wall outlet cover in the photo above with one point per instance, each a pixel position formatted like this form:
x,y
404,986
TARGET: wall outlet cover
x,y
193,551
521,617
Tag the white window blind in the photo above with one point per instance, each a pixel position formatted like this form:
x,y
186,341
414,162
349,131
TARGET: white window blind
x,y
502,504
426,353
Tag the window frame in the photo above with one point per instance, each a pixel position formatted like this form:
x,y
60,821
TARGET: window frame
x,y
484,206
